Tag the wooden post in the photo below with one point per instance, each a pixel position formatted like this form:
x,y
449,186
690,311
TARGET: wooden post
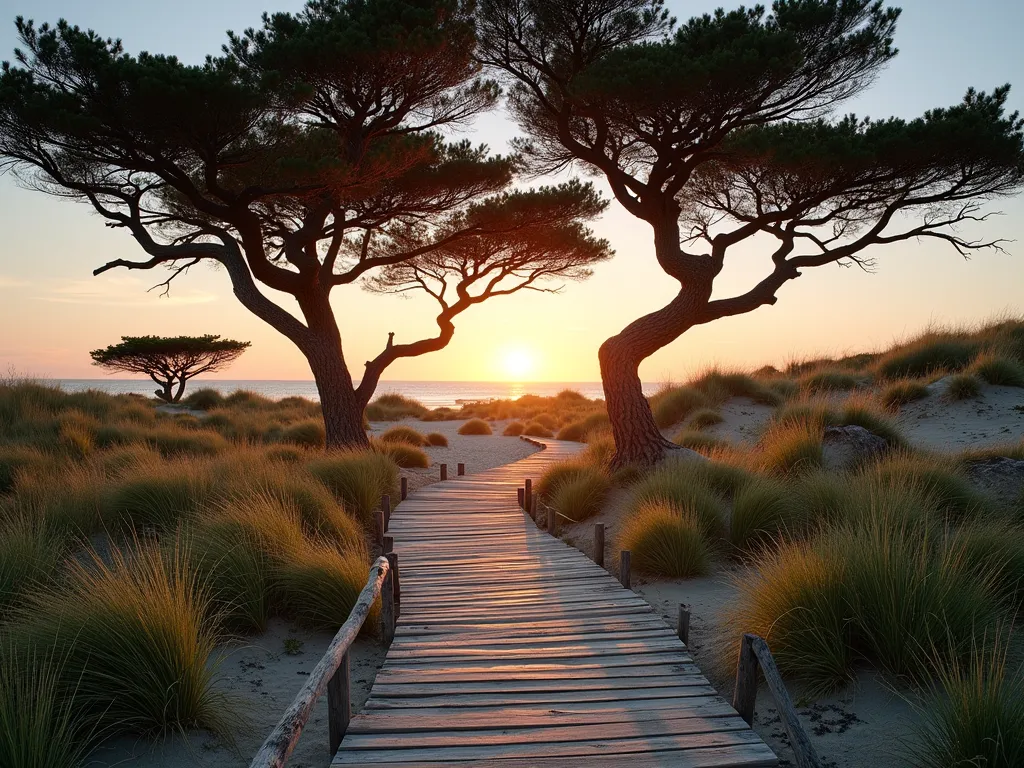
x,y
339,703
385,505
683,624
528,498
405,487
745,693
444,472
552,521
624,568
396,583
389,544
387,606
599,544
520,492
379,532
461,469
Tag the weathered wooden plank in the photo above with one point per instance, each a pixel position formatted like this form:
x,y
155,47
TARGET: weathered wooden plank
x,y
537,697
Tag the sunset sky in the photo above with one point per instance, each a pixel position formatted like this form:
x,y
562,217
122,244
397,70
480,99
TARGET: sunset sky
x,y
52,311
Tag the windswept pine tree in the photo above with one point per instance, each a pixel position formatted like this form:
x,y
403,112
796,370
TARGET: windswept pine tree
x,y
723,134
311,156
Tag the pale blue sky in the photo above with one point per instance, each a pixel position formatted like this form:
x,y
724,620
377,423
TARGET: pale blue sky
x,y
52,310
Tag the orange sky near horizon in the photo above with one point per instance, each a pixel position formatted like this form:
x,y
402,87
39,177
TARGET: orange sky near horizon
x,y
53,311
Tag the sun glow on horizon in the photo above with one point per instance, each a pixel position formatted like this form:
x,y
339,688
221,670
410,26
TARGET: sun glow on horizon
x,y
517,363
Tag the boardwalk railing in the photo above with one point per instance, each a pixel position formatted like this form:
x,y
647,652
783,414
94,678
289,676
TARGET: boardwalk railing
x,y
331,674
754,654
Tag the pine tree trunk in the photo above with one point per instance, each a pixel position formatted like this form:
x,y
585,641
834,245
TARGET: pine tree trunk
x,y
343,413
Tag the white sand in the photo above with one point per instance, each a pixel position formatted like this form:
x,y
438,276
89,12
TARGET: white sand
x,y
939,424
259,680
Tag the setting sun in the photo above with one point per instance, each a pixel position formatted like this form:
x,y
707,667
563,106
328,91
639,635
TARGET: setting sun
x,y
517,363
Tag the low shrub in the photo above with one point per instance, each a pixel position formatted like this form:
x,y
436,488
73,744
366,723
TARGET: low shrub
x,y
133,635
514,429
320,586
963,386
999,371
664,540
403,434
975,716
358,479
704,418
790,449
580,496
673,404
308,434
901,392
204,399
536,429
437,440
475,427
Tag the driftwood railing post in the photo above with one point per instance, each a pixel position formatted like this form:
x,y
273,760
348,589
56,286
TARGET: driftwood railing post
x,y
405,487
624,557
683,624
396,583
444,472
599,544
528,498
460,469
379,530
387,607
385,506
754,653
552,521
520,494
389,545
339,703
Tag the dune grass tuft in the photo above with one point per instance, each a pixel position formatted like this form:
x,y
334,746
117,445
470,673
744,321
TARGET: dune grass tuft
x,y
574,432
404,455
536,429
704,418
937,478
358,479
682,484
159,496
29,558
665,540
762,511
788,449
393,407
514,429
673,404
862,412
581,495
963,386
475,427
204,399
929,354
699,441
403,434
437,440
718,386
308,434
901,392
829,380
999,371
132,631
320,585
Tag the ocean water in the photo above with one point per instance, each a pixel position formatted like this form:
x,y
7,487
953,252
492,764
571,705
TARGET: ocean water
x,y
432,394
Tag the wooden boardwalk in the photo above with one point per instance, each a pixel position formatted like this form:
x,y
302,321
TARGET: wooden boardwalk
x,y
516,649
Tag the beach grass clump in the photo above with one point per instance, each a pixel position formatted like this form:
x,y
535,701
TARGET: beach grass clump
x,y
824,498
790,449
902,391
546,420
204,399
975,715
963,386
158,496
573,432
683,485
40,722
475,427
560,473
699,441
536,429
437,440
862,412
133,632
581,495
999,371
30,557
704,418
762,511
935,477
403,434
673,404
927,355
994,550
309,433
320,514
358,479
393,407
718,386
514,429
404,455
320,586
829,380
811,413
15,458
665,540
